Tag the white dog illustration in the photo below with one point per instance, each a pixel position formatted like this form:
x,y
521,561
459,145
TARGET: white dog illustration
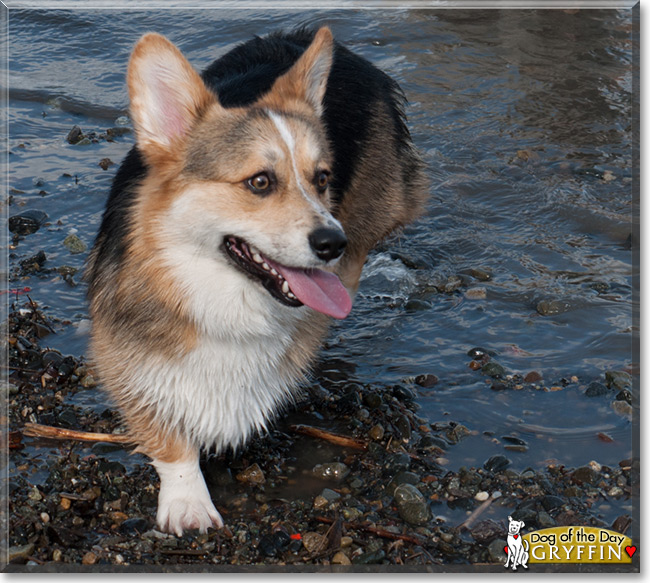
x,y
516,551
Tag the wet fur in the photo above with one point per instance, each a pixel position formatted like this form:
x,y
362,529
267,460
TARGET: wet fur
x,y
195,354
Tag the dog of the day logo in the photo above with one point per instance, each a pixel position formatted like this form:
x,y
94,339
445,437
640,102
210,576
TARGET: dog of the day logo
x,y
565,544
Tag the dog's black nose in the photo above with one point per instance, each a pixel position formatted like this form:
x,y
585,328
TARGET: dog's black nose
x,y
327,243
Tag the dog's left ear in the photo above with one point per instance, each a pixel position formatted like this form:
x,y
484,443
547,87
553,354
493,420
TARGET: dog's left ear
x,y
167,96
307,78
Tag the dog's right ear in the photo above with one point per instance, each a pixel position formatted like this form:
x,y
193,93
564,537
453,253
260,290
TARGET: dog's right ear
x,y
167,96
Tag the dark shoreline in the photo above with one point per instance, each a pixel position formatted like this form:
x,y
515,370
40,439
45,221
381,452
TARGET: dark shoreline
x,y
379,508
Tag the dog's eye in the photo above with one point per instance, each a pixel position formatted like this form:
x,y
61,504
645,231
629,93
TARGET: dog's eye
x,y
322,180
260,183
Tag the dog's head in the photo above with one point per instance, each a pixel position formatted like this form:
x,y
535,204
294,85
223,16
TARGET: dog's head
x,y
515,526
247,187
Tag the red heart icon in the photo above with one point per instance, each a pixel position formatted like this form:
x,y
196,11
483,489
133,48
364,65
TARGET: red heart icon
x,y
516,536
630,551
506,550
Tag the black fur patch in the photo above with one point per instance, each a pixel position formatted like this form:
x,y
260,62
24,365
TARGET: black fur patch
x,y
239,78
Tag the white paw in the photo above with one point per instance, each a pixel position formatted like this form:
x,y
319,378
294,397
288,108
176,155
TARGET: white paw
x,y
184,501
186,513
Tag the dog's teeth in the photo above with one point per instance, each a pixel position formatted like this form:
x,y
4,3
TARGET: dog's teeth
x,y
265,265
257,258
291,296
285,288
273,271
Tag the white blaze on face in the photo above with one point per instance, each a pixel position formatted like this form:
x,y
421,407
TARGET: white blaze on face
x,y
290,142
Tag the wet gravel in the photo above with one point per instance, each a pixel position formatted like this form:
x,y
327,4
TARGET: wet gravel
x,y
289,500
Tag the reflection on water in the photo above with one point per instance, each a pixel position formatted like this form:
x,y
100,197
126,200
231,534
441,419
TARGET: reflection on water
x,y
524,120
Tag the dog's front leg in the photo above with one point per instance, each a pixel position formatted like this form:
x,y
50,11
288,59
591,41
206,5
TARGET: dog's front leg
x,y
184,501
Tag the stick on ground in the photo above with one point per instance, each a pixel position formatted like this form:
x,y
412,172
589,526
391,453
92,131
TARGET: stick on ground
x,y
37,430
336,438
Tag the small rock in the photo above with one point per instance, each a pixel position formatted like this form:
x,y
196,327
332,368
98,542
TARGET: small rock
x,y
398,462
411,504
402,478
75,135
252,474
476,293
27,222
497,463
372,400
596,389
337,471
65,503
494,370
105,163
426,380
452,284
89,558
456,432
351,514
624,395
403,393
416,305
533,377
314,542
57,555
346,541
341,558
376,432
585,474
74,244
369,558
486,531
553,307
478,353
134,526
544,520
622,408
482,496
495,549
618,379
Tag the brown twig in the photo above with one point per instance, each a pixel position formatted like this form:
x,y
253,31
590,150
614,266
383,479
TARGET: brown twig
x,y
37,430
335,438
374,530
474,515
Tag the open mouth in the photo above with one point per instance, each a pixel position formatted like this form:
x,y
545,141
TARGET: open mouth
x,y
292,286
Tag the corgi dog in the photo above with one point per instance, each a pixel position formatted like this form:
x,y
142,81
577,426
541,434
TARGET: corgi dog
x,y
235,229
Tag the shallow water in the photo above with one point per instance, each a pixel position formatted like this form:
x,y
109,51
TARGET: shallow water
x,y
524,119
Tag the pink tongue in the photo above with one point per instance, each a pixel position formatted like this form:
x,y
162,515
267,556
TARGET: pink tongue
x,y
320,290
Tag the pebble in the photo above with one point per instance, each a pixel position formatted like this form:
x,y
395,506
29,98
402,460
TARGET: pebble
x,y
622,408
402,478
376,432
585,474
75,135
544,520
615,491
415,305
57,555
482,496
403,393
496,552
134,526
372,400
314,542
341,558
476,293
426,380
331,471
618,379
553,307
27,222
452,284
346,541
74,244
478,353
369,558
624,395
398,462
494,370
497,463
89,558
533,377
351,514
65,503
253,474
105,163
596,389
411,504
487,530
